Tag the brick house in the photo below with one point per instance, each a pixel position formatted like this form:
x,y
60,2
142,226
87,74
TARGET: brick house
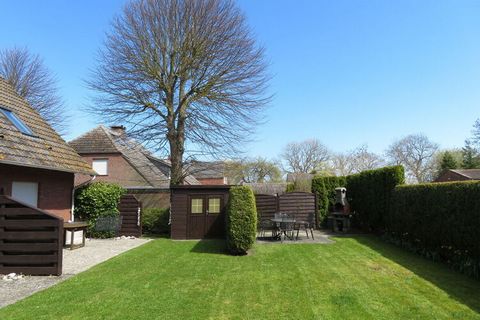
x,y
209,173
459,175
37,166
120,159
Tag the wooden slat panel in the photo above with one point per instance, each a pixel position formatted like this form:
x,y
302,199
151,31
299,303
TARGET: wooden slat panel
x,y
35,271
28,259
19,212
38,223
28,235
29,247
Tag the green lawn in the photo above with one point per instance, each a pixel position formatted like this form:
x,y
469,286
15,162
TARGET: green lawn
x,y
355,278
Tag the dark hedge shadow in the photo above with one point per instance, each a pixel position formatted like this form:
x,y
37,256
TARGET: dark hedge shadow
x,y
211,246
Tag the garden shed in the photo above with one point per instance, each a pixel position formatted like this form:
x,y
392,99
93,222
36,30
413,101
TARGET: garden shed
x,y
198,211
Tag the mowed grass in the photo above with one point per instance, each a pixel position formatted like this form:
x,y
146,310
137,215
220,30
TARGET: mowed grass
x,y
354,278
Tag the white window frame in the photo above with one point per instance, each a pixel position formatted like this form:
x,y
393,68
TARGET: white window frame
x,y
100,170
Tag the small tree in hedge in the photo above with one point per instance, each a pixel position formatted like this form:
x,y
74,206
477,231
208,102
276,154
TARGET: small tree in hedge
x,y
241,220
96,200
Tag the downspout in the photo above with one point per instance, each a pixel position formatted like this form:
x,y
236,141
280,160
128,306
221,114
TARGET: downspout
x,y
72,216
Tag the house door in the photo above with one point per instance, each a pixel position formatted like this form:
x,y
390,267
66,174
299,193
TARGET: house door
x,y
206,218
26,192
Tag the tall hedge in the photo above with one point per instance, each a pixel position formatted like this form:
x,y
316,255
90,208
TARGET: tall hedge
x,y
241,220
440,221
324,187
369,193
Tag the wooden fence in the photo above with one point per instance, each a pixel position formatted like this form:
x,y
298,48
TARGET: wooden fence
x,y
31,240
301,204
130,211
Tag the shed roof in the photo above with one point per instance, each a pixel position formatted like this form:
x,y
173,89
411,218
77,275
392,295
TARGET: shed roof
x,y
44,149
473,174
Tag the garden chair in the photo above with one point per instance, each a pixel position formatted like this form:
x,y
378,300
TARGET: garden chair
x,y
287,227
267,225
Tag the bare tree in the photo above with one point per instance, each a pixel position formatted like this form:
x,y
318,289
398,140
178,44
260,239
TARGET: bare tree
x,y
354,161
306,156
417,154
183,76
33,81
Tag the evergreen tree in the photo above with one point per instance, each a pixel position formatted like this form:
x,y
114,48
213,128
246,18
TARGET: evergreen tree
x,y
471,158
448,162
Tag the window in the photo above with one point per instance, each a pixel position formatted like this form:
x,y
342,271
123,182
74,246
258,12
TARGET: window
x,y
214,205
197,206
100,166
26,192
22,127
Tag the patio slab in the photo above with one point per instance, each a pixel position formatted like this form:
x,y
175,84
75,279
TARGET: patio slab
x,y
320,236
74,262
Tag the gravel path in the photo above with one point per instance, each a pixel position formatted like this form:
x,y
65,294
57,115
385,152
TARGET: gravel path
x,y
74,262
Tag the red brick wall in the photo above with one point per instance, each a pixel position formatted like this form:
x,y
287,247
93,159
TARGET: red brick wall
x,y
54,187
119,171
212,181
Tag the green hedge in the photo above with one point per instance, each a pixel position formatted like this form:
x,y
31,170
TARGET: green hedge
x,y
241,220
155,220
440,221
368,193
324,187
96,200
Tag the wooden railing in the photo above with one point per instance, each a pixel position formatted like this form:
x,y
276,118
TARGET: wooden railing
x,y
31,240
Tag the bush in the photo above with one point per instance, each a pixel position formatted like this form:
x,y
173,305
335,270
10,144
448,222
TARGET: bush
x,y
155,220
440,221
99,199
241,220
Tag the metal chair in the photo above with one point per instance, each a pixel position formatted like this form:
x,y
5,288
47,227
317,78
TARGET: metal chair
x,y
266,225
287,227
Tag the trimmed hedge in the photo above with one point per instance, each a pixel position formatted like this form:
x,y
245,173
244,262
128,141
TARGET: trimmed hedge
x,y
155,220
241,220
368,193
440,221
324,187
96,200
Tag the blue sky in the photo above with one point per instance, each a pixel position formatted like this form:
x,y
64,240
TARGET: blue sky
x,y
345,72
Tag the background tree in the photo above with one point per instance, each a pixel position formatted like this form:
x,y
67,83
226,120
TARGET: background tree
x,y
354,161
183,76
417,154
447,161
33,81
253,170
470,156
306,156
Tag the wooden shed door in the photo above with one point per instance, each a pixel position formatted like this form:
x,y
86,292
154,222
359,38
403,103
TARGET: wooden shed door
x,y
206,218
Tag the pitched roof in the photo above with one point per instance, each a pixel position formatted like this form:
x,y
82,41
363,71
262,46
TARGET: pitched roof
x,y
295,176
45,149
473,174
106,140
207,170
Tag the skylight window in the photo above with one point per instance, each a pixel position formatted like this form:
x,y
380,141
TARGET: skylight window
x,y
22,127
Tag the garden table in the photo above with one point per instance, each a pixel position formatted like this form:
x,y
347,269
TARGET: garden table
x,y
279,221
